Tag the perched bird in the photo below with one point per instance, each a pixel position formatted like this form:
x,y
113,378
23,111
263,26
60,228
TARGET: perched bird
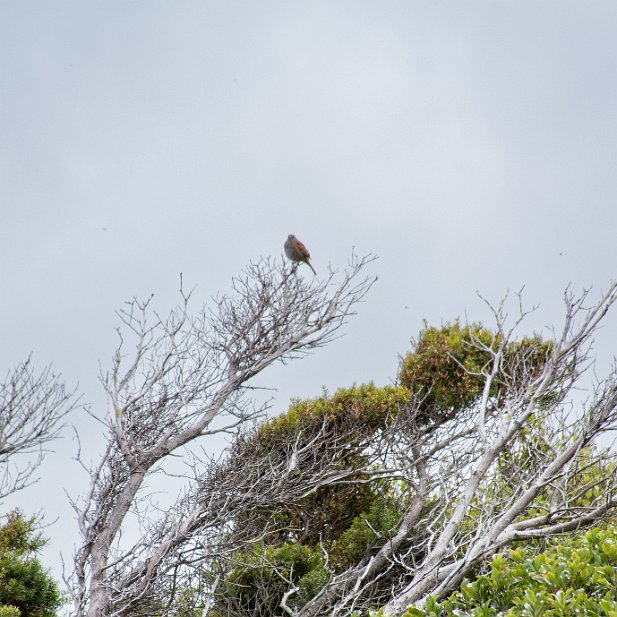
x,y
296,251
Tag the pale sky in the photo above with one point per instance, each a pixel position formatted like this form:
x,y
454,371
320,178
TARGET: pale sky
x,y
471,145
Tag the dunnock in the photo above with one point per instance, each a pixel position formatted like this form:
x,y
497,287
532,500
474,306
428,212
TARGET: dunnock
x,y
296,251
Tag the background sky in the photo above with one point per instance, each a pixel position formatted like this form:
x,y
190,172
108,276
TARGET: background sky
x,y
471,145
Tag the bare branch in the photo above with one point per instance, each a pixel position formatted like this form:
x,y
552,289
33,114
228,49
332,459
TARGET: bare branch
x,y
32,407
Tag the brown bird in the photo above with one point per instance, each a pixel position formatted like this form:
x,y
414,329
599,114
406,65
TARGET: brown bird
x,y
296,251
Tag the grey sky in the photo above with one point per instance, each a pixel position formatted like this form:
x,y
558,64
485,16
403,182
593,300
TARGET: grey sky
x,y
472,146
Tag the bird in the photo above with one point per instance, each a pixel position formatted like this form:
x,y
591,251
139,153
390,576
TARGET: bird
x,y
296,251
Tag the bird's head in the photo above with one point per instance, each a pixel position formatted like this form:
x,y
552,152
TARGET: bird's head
x,y
291,237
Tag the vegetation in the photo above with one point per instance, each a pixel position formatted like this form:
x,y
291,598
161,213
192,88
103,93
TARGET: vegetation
x,y
307,543
575,576
388,500
26,589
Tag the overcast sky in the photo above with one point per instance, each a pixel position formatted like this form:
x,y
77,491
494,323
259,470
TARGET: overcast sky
x,y
471,145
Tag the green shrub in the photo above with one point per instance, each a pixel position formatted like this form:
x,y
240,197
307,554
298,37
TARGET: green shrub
x,y
440,368
372,528
577,577
255,585
360,409
356,414
445,369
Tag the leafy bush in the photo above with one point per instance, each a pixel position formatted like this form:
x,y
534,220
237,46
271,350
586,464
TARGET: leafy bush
x,y
577,577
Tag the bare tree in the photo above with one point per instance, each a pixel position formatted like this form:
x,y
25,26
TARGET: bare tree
x,y
32,407
187,378
524,460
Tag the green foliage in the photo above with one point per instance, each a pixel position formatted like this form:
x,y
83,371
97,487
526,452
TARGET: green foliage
x,y
357,413
440,368
367,530
256,584
26,588
18,535
347,519
577,577
447,366
363,409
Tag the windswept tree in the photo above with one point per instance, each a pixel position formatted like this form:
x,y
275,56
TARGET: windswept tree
x,y
175,381
379,498
32,407
375,498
